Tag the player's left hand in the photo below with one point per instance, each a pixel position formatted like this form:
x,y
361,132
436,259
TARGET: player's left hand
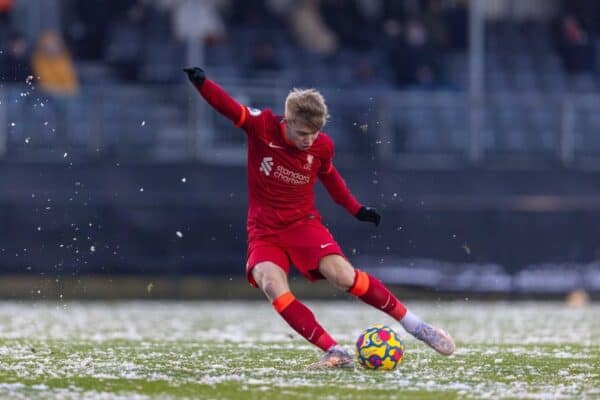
x,y
368,214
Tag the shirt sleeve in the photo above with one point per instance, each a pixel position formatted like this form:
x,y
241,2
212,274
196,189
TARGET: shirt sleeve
x,y
222,102
326,167
253,119
337,188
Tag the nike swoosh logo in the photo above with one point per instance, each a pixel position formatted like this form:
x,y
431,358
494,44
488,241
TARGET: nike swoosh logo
x,y
274,146
326,245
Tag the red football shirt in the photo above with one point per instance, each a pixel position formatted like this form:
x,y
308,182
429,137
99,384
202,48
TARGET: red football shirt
x,y
281,178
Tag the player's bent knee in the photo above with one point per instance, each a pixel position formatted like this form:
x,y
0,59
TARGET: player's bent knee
x,y
271,279
337,270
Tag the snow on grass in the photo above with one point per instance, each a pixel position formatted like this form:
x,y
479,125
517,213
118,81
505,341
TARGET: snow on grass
x,y
142,350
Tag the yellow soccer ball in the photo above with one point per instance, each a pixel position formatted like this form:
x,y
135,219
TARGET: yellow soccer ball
x,y
379,347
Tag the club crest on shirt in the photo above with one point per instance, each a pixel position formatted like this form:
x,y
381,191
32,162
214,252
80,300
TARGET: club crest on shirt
x,y
309,161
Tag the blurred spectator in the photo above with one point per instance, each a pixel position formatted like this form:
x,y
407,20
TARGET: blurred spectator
x,y
575,46
585,11
394,10
125,43
53,66
6,7
345,19
411,55
457,22
310,30
88,23
279,8
253,14
198,20
371,10
433,19
15,59
158,18
263,58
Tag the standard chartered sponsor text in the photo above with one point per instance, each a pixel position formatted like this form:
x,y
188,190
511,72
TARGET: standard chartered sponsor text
x,y
291,177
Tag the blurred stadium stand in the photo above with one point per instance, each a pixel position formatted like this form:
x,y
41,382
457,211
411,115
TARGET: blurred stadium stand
x,y
398,82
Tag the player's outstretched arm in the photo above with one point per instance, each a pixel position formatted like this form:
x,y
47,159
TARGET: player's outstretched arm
x,y
339,192
214,95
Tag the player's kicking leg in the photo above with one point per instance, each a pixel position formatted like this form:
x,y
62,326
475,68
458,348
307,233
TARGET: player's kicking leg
x,y
272,280
338,271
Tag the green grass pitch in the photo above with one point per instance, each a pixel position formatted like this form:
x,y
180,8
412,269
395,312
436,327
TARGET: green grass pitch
x,y
242,350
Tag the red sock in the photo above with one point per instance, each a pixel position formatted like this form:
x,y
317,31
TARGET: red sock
x,y
299,317
370,290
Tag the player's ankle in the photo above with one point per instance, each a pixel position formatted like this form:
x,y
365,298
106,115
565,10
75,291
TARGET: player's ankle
x,y
410,322
335,347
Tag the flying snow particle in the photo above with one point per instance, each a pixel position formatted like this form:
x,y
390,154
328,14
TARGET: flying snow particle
x,y
141,189
143,123
179,234
65,155
183,180
466,248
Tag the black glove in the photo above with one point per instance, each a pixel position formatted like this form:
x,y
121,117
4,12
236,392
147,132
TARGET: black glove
x,y
368,214
195,75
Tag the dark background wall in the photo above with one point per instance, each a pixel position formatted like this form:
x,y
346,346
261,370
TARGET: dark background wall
x,y
188,218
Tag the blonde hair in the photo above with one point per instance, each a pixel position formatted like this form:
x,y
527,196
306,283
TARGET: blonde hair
x,y
307,106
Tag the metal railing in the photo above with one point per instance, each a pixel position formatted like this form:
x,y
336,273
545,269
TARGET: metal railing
x,y
409,129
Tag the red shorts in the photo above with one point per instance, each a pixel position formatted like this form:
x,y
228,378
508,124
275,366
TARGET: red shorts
x,y
303,246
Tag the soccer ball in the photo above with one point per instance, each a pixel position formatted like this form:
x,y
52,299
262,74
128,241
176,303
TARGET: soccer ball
x,y
379,347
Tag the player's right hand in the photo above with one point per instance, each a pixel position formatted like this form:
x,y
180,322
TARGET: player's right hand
x,y
195,75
